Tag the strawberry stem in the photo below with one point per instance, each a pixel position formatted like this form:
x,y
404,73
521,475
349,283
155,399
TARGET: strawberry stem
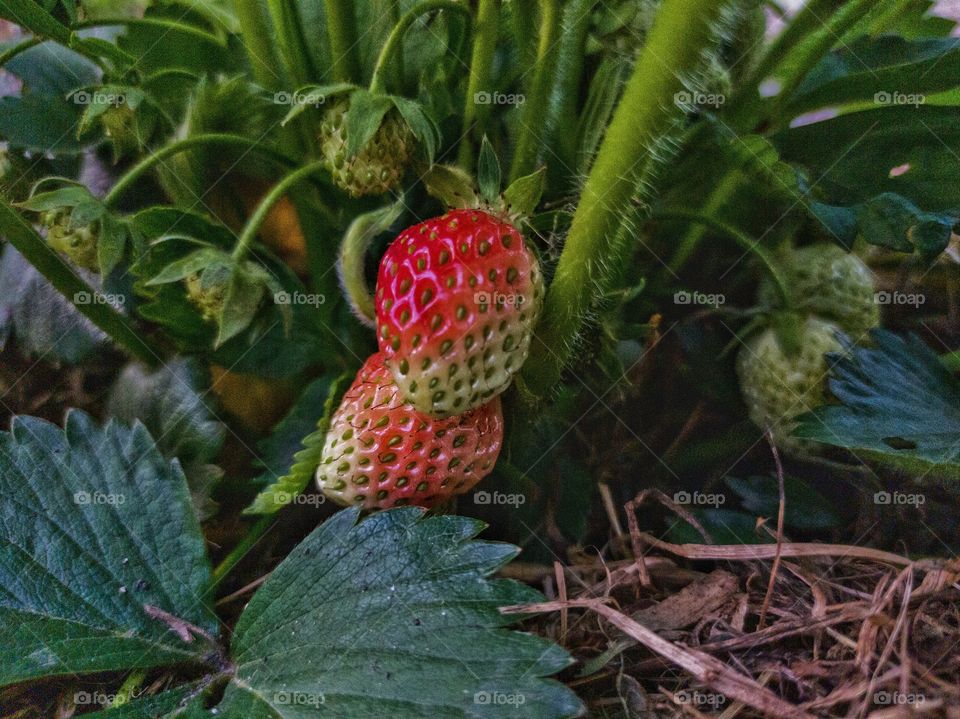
x,y
353,251
683,30
395,40
342,32
535,107
213,138
475,114
276,192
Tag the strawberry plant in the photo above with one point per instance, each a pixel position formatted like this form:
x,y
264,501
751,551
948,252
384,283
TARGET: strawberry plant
x,y
298,297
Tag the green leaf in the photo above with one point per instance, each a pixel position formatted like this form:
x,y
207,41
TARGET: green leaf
x,y
899,405
186,266
524,193
878,69
420,124
280,449
488,172
244,293
310,96
70,196
888,220
910,151
392,616
805,508
364,117
111,243
181,703
103,522
170,404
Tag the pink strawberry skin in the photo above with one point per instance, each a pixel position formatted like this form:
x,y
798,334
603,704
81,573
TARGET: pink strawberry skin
x,y
381,452
457,298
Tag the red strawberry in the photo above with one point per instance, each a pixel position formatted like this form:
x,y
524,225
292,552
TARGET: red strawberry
x,y
380,452
457,299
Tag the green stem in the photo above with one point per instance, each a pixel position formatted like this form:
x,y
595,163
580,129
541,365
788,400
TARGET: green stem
x,y
342,31
159,22
290,41
646,110
719,197
255,220
353,251
256,30
395,40
535,108
10,53
260,528
486,30
138,170
128,690
394,12
48,263
524,30
746,242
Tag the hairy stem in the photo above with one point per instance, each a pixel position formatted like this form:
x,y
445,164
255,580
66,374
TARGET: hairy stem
x,y
255,220
353,251
147,163
159,22
645,112
256,30
342,31
48,263
535,107
395,40
485,32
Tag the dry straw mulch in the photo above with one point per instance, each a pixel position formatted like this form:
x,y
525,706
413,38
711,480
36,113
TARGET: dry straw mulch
x,y
768,630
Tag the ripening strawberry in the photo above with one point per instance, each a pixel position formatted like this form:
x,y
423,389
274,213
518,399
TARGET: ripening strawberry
x,y
380,452
379,165
833,284
777,386
457,298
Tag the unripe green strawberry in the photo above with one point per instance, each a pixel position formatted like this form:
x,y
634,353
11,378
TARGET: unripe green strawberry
x,y
777,386
832,284
381,452
456,302
79,244
207,290
379,165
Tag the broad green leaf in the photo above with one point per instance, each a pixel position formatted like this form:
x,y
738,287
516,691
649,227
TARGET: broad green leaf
x,y
244,293
910,151
423,128
392,616
888,220
899,405
805,508
879,70
70,196
295,447
184,702
186,266
488,172
101,521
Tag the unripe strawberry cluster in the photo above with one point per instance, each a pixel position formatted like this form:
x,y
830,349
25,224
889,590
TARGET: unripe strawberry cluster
x,y
833,294
456,301
77,243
